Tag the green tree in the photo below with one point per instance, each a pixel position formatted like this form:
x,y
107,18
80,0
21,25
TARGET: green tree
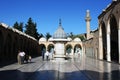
x,y
21,26
41,35
80,36
31,29
48,35
18,26
71,35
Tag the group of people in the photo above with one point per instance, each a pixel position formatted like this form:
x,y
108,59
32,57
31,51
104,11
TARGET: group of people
x,y
47,55
22,57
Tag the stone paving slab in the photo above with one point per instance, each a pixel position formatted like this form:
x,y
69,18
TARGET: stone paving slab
x,y
77,69
101,70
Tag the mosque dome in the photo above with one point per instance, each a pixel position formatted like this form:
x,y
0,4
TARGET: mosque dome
x,y
77,39
60,33
50,39
70,39
42,39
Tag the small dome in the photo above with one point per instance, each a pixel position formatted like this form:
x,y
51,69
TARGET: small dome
x,y
77,39
42,39
70,39
50,39
60,34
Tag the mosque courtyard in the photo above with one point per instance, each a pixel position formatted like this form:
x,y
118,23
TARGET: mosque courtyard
x,y
77,68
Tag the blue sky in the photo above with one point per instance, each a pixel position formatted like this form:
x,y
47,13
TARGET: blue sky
x,y
46,13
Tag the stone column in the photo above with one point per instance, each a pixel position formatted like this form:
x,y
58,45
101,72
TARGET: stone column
x,y
119,39
108,42
72,51
96,53
100,44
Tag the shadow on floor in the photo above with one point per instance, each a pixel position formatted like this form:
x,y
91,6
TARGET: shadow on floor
x,y
5,63
56,75
2,64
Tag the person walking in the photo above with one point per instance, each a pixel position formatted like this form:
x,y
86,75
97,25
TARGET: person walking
x,y
26,58
19,58
22,56
30,58
47,55
43,54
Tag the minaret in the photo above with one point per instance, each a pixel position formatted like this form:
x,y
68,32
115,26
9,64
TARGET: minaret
x,y
115,0
88,19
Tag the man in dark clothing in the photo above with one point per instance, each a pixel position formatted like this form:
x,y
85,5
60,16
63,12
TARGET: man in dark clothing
x,y
43,54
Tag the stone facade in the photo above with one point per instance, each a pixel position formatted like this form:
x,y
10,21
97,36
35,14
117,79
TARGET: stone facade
x,y
105,43
109,32
12,40
91,45
71,45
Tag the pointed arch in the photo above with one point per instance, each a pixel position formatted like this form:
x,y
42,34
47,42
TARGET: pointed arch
x,y
114,38
104,40
42,48
77,49
50,47
68,49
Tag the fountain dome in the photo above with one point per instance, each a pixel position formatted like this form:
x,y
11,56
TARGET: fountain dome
x,y
60,34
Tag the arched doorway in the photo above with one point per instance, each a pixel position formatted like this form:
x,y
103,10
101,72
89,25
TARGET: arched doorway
x,y
1,45
77,49
51,48
42,48
68,49
104,41
114,39
8,47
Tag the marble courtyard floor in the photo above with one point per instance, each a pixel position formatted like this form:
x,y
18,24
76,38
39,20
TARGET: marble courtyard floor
x,y
75,69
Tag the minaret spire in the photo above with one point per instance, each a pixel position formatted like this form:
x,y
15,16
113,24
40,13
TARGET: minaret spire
x,y
60,24
88,19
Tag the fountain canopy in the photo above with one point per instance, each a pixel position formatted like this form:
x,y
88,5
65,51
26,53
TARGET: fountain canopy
x,y
59,34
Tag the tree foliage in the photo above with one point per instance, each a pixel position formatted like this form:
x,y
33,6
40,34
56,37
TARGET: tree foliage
x,y
18,26
31,29
73,36
48,35
41,35
81,37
